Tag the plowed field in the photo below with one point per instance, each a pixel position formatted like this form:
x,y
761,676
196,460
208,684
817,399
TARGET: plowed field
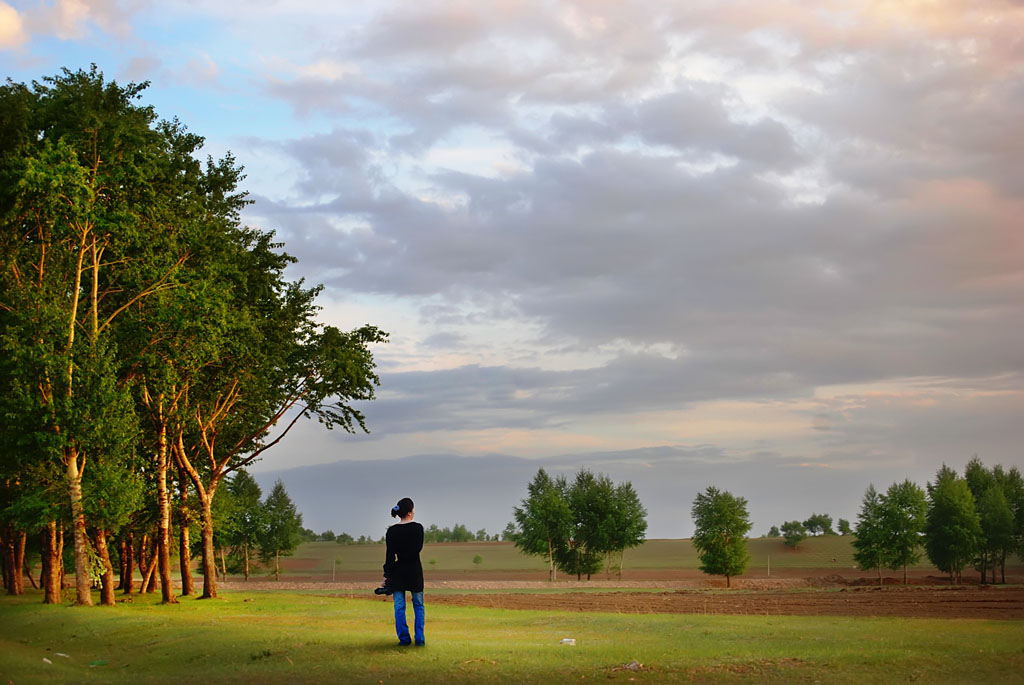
x,y
968,602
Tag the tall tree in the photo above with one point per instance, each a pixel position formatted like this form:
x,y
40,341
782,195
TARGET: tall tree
x,y
247,519
628,525
870,544
79,250
953,531
904,514
721,523
544,518
281,533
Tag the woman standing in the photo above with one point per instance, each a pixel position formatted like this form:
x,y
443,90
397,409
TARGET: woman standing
x,y
403,570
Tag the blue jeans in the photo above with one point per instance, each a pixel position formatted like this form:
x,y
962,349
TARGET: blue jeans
x,y
401,627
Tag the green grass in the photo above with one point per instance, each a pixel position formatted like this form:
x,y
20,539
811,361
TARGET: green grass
x,y
285,637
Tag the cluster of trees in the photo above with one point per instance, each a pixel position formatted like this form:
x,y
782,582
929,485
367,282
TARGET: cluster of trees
x,y
151,344
796,532
251,530
580,526
976,519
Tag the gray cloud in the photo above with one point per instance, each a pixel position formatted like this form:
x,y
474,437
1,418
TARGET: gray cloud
x,y
785,202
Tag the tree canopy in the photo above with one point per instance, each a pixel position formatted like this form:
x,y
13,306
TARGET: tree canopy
x,y
721,523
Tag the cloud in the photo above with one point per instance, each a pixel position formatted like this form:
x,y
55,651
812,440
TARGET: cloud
x,y
12,28
74,19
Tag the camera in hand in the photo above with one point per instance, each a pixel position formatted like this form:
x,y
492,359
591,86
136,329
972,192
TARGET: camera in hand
x,y
384,589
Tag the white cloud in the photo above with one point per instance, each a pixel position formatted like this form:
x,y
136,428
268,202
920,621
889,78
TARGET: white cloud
x,y
12,28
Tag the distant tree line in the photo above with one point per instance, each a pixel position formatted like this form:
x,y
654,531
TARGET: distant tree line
x,y
578,527
152,345
431,534
974,520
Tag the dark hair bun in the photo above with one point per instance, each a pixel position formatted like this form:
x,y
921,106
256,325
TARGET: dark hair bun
x,y
403,507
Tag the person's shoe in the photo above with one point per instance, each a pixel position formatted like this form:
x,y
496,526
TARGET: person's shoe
x,y
404,644
421,643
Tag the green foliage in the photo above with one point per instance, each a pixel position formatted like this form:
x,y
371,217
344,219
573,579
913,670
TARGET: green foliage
x,y
477,560
870,543
819,524
282,523
458,533
904,512
544,520
953,532
721,523
578,528
794,533
773,532
844,527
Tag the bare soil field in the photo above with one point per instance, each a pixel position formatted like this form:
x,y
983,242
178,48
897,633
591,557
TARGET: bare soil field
x,y
794,592
910,602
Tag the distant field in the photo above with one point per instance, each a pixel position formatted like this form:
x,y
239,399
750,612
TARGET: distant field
x,y
276,637
320,559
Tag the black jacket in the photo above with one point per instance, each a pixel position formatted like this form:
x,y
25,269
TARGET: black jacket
x,y
402,565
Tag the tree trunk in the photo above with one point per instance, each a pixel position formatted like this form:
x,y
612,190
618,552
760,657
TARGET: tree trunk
x,y
19,562
60,557
143,564
7,557
904,574
551,562
277,566
209,561
28,572
128,584
83,592
728,581
107,584
51,561
245,552
223,565
148,583
163,526
184,551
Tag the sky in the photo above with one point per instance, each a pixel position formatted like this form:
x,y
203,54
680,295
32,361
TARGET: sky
x,y
773,246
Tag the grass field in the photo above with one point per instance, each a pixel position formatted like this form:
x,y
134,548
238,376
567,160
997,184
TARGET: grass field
x,y
319,558
286,637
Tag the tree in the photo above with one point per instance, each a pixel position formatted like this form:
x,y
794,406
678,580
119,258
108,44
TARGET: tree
x,y
870,544
1012,485
819,524
953,531
510,532
592,501
247,519
281,533
904,514
997,527
721,524
773,532
544,518
628,525
80,247
844,527
794,533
